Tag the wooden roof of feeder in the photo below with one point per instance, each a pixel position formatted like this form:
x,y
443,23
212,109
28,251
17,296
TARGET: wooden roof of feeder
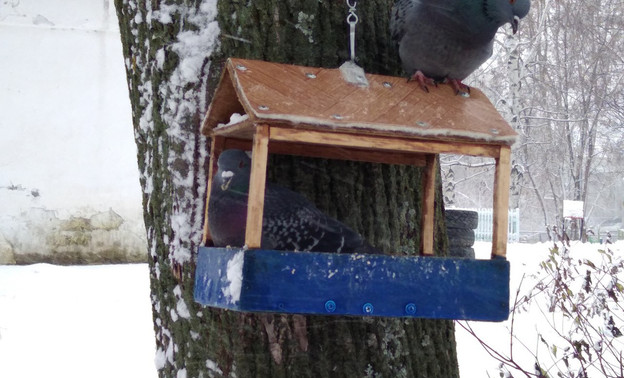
x,y
280,108
319,99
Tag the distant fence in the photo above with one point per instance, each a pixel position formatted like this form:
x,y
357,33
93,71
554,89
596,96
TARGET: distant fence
x,y
486,219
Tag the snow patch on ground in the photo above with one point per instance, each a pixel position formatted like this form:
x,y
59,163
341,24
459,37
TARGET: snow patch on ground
x,y
76,321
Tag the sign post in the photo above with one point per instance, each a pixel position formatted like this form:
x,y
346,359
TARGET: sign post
x,y
574,210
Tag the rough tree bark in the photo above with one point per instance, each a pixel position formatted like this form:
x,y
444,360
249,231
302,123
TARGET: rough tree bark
x,y
173,66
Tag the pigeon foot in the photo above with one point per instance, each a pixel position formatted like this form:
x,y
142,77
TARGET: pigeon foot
x,y
422,80
459,87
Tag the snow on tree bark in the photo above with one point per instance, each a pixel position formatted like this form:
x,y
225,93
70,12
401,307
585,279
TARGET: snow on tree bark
x,y
173,62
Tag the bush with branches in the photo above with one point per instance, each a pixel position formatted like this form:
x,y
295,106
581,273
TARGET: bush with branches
x,y
575,300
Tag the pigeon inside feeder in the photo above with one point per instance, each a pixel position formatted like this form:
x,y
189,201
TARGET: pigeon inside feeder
x,y
290,221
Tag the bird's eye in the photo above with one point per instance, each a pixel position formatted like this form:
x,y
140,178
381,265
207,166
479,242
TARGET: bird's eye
x,y
241,164
512,1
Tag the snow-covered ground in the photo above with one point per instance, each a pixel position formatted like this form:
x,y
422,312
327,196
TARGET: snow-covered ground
x,y
95,321
76,322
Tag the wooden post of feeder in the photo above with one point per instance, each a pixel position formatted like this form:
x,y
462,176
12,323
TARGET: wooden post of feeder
x,y
216,146
426,235
501,202
257,182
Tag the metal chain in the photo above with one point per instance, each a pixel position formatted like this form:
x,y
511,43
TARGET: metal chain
x,y
352,20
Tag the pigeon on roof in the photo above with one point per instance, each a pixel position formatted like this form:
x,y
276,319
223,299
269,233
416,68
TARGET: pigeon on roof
x,y
290,221
442,40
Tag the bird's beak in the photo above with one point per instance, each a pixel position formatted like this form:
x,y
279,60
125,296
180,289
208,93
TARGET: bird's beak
x,y
226,183
514,24
227,179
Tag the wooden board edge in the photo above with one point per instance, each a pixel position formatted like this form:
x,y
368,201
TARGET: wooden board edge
x,y
252,298
383,143
328,152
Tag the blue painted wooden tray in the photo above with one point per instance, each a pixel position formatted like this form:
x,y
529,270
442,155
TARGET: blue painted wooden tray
x,y
352,284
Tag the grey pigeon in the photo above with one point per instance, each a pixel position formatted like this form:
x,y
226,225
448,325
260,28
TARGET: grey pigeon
x,y
446,40
290,221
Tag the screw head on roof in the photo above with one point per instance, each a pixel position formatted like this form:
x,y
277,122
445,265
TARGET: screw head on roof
x,y
263,107
337,116
422,124
494,131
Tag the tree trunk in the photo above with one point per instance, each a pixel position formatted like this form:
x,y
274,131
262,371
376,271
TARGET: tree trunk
x,y
171,79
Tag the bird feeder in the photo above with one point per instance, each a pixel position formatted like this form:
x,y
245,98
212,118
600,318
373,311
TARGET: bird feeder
x,y
286,109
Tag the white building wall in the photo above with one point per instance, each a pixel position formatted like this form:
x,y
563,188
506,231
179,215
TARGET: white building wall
x,y
69,183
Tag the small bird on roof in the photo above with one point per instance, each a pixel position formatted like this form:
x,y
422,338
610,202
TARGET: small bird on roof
x,y
290,221
446,40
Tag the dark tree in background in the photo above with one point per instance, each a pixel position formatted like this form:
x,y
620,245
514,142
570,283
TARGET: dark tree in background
x,y
174,55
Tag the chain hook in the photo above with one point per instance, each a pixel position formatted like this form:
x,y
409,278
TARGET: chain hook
x,y
352,20
351,72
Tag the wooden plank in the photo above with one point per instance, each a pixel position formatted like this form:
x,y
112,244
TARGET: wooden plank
x,y
381,143
299,85
276,89
372,104
329,152
224,103
501,202
345,153
215,149
352,284
257,182
244,130
426,236
239,144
